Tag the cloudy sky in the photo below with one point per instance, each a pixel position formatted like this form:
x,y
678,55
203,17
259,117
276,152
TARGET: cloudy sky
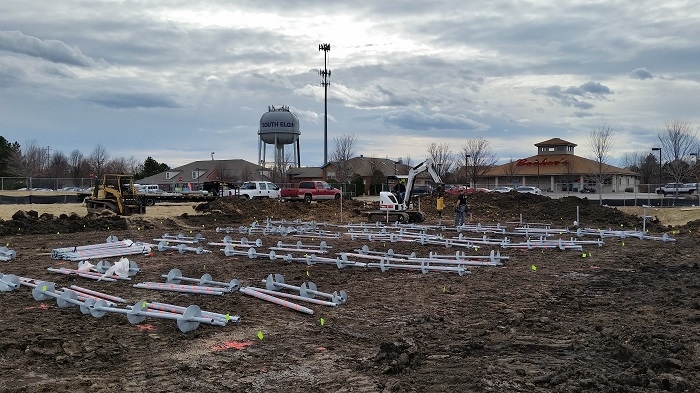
x,y
178,80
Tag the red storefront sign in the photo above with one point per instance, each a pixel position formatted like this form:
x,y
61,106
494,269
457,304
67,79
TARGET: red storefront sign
x,y
544,162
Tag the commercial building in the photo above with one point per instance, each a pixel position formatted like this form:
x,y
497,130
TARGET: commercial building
x,y
556,168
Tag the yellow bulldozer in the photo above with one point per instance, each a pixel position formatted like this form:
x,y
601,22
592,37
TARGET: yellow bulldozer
x,y
115,193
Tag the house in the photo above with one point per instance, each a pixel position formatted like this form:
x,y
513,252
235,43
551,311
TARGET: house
x,y
195,174
555,167
374,172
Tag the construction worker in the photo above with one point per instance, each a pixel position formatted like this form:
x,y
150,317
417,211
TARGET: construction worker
x,y
461,208
400,190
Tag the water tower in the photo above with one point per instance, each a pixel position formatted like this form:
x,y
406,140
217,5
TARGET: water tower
x,y
278,127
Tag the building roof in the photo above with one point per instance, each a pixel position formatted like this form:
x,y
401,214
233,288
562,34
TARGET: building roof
x,y
555,142
307,172
554,164
207,170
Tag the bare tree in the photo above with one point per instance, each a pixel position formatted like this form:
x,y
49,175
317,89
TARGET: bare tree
x,y
377,177
246,173
343,151
569,175
59,165
32,162
119,165
511,171
76,163
600,142
133,166
478,158
98,159
442,156
281,169
645,164
678,139
220,172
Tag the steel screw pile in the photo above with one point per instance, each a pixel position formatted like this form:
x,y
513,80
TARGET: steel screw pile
x,y
181,238
299,247
306,290
6,254
181,248
112,248
228,241
8,282
203,290
175,276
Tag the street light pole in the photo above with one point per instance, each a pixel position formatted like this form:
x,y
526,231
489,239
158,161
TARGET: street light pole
x,y
538,172
660,165
696,176
466,168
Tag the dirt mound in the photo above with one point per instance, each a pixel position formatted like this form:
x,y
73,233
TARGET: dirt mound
x,y
483,208
244,210
31,223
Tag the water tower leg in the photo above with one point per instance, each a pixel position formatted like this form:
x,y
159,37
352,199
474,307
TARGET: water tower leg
x,y
260,150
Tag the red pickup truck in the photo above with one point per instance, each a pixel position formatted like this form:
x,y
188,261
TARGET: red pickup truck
x,y
308,191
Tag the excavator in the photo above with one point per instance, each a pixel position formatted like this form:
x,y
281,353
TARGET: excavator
x,y
391,210
115,193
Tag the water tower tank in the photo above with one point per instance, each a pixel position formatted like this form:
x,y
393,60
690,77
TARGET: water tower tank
x,y
279,126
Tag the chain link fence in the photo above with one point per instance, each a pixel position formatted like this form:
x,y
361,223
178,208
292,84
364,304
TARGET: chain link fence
x,y
45,183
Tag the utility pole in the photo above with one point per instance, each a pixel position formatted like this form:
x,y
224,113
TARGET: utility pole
x,y
325,74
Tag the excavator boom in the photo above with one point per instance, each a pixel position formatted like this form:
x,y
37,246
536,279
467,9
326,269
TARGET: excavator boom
x,y
390,209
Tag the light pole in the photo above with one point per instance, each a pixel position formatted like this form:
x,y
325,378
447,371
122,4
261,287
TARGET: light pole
x,y
466,168
696,175
537,162
660,166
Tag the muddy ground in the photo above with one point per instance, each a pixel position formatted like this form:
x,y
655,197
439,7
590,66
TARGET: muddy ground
x,y
624,318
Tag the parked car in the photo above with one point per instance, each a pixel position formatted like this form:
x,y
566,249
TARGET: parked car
x,y
503,189
529,190
454,189
421,190
588,190
478,189
308,191
677,188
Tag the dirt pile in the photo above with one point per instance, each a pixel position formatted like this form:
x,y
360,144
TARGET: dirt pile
x,y
31,223
484,208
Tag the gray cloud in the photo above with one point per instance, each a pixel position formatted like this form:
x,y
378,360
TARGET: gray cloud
x,y
51,50
641,73
416,120
574,96
133,100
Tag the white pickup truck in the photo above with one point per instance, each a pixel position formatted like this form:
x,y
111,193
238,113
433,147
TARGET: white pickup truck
x,y
677,188
256,189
